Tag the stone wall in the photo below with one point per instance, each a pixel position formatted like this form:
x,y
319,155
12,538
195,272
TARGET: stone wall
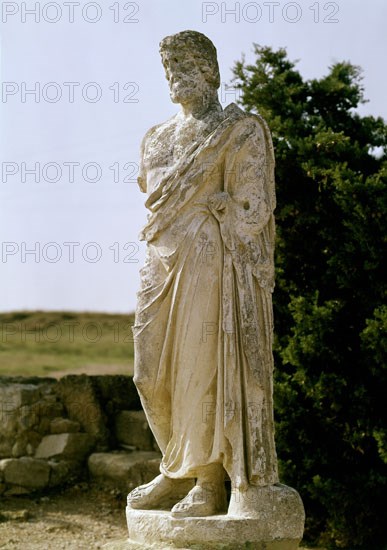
x,y
53,431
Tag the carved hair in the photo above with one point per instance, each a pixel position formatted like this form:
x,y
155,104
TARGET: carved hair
x,y
200,48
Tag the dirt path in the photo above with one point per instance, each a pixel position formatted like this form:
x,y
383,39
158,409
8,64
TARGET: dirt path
x,y
79,518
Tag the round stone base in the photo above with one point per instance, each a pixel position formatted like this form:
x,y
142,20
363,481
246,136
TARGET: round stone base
x,y
131,545
276,522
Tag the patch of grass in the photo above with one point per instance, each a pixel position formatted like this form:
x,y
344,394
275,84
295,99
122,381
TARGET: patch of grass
x,y
41,342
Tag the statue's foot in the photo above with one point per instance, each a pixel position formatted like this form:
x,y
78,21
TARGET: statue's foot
x,y
152,494
203,500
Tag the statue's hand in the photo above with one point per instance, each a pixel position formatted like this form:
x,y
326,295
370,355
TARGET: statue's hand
x,y
217,203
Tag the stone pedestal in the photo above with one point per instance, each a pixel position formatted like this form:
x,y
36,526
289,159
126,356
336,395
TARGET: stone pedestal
x,y
269,518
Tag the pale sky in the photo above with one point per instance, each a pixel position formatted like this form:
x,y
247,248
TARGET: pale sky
x,y
99,85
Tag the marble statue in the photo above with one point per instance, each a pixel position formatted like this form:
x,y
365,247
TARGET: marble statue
x,y
204,323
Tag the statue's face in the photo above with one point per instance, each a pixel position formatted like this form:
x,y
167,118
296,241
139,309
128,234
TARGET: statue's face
x,y
186,81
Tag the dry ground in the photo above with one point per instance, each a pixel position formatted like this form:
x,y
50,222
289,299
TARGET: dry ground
x,y
82,517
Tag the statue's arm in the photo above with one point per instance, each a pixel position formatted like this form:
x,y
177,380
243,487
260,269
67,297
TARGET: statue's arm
x,y
141,179
244,204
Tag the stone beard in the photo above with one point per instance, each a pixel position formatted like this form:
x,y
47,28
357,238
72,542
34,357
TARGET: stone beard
x,y
204,323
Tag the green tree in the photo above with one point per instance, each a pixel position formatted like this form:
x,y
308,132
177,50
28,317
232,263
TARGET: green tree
x,y
330,322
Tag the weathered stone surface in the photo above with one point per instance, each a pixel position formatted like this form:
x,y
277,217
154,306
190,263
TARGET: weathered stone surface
x,y
32,407
16,491
71,445
25,442
14,396
64,425
25,472
80,396
33,438
6,445
19,448
278,525
131,428
44,382
64,471
30,449
26,412
117,393
259,503
49,408
124,470
203,327
17,405
133,545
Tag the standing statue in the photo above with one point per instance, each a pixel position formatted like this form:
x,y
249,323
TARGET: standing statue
x,y
204,323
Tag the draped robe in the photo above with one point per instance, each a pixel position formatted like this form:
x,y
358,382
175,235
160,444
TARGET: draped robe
x,y
204,322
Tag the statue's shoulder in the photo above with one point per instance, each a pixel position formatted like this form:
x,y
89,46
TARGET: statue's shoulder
x,y
157,129
247,122
237,116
